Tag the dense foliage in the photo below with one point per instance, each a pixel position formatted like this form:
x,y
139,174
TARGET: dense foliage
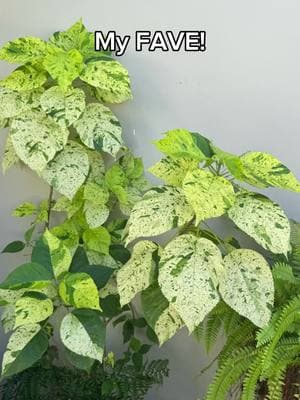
x,y
60,129
111,380
209,283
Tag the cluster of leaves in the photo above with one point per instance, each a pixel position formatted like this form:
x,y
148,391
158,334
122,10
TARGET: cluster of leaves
x,y
60,128
209,283
119,380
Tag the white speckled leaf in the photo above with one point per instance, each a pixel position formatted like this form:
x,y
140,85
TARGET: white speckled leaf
x,y
160,315
26,77
68,170
173,171
12,103
23,50
209,195
8,318
36,138
95,214
160,210
26,345
138,273
10,157
246,285
187,277
97,167
79,290
111,80
83,332
32,308
264,170
63,66
64,107
263,220
99,129
60,255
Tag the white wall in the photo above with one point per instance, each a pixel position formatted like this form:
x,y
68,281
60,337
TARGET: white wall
x,y
243,93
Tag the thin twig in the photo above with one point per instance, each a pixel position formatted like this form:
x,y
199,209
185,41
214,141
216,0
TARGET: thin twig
x,y
47,223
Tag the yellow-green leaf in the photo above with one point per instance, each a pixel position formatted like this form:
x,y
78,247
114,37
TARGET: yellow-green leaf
x,y
33,307
138,273
209,195
60,255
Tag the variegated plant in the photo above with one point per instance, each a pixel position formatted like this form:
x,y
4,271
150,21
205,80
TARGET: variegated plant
x,y
185,282
59,127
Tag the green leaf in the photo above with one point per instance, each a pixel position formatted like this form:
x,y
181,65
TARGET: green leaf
x,y
119,253
12,103
23,50
26,346
60,255
79,290
95,193
80,362
67,233
160,315
24,210
111,80
246,285
41,255
83,333
209,195
63,66
160,210
263,220
172,171
30,275
71,207
128,331
14,247
110,306
100,129
232,162
76,37
36,139
97,239
187,277
180,143
10,157
25,78
64,107
138,273
99,273
264,170
33,307
68,170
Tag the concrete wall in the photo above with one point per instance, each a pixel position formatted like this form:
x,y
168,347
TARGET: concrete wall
x,y
243,93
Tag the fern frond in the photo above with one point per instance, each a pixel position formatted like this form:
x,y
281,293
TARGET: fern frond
x,y
294,259
243,335
283,272
230,372
231,321
252,378
199,332
212,330
266,334
289,314
275,384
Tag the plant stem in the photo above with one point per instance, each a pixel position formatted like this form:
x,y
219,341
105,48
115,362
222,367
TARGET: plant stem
x,y
47,224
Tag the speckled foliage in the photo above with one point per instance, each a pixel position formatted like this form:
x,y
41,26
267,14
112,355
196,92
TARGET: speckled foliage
x,y
197,271
58,126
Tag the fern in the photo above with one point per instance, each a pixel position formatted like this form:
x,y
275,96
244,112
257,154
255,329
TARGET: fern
x,y
289,314
230,372
252,376
275,384
212,330
243,335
